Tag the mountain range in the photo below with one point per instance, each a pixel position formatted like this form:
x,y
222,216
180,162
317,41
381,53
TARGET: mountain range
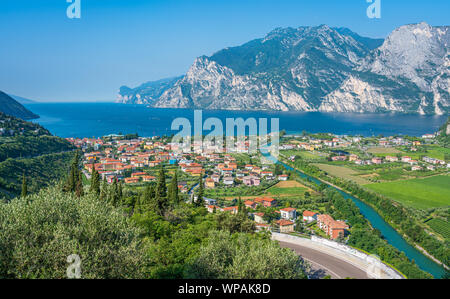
x,y
315,69
11,107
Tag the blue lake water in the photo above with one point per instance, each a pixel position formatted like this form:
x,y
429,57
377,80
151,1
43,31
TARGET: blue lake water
x,y
99,119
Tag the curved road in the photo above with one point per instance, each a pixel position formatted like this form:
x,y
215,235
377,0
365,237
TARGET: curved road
x,y
324,264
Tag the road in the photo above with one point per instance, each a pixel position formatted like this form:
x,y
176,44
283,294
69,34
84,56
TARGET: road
x,y
324,264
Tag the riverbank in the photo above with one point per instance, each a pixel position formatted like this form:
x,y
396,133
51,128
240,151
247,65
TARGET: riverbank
x,y
392,236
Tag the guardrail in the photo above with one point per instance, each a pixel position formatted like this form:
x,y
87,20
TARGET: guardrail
x,y
373,266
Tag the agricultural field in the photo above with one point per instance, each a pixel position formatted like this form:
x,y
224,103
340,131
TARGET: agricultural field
x,y
432,151
440,226
384,151
431,192
344,172
288,188
306,155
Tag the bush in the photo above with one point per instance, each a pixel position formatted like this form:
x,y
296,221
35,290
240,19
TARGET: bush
x,y
244,256
38,233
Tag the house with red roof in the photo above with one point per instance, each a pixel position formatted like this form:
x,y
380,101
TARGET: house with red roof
x,y
286,226
266,201
309,216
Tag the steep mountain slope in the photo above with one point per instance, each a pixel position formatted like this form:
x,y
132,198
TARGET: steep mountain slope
x,y
320,69
11,107
147,93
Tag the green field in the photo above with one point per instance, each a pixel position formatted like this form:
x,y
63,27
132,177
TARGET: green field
x,y
286,191
440,226
306,155
343,172
432,151
432,192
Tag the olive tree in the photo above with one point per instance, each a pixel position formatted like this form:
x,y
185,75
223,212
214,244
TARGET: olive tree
x,y
38,233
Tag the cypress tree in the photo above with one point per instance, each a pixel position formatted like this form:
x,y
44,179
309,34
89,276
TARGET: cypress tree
x,y
24,187
161,188
104,191
161,192
74,175
201,191
95,183
120,193
148,201
173,190
79,185
115,193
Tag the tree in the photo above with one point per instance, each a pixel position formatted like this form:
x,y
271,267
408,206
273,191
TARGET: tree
x,y
104,191
243,256
95,182
73,183
173,190
148,200
24,187
161,192
200,192
79,191
107,242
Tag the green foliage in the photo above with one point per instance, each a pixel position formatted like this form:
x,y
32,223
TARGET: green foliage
x,y
241,256
24,192
40,171
95,183
38,234
31,146
14,126
173,190
200,192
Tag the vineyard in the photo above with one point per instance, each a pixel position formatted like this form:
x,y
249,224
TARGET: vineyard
x,y
440,226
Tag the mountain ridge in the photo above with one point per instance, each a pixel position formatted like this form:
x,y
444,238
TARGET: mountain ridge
x,y
11,107
316,69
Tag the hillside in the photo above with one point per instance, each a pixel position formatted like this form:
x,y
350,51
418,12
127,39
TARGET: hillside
x,y
11,107
316,69
29,149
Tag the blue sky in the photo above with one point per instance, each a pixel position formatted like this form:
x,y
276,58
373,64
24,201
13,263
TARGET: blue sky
x,y
48,57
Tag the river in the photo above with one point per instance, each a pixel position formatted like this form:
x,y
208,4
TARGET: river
x,y
387,231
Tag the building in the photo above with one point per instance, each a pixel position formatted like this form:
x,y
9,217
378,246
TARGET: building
x,y
250,204
229,181
283,177
232,210
334,229
212,208
209,183
266,201
391,159
289,213
285,226
309,216
259,218
251,181
377,160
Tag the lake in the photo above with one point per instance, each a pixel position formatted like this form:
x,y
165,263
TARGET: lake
x,y
100,119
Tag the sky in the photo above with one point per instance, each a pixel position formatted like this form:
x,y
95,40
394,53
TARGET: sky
x,y
46,56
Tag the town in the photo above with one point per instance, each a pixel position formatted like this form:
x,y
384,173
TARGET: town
x,y
272,196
